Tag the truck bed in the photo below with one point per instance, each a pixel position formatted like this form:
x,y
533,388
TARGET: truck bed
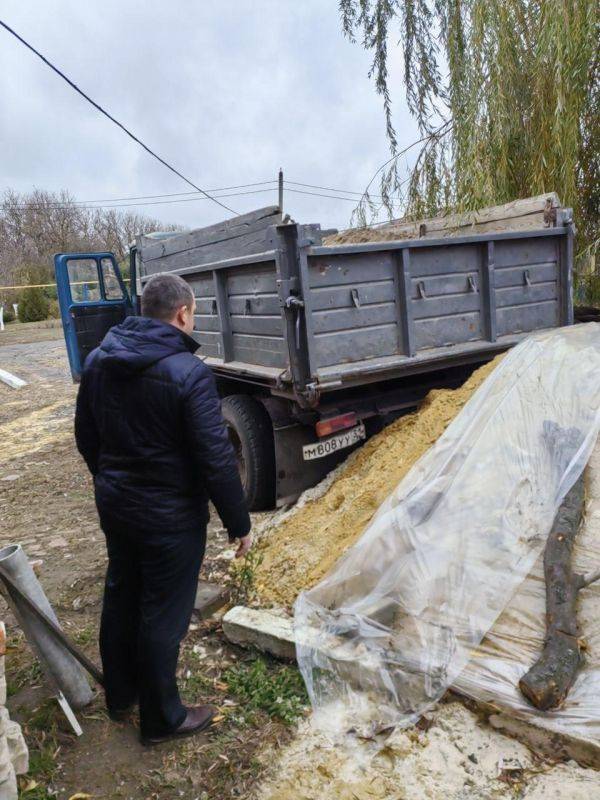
x,y
277,307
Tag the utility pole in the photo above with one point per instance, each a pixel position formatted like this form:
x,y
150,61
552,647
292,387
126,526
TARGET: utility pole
x,y
281,191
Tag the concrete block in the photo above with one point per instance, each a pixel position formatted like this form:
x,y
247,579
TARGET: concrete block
x,y
19,754
210,597
555,745
270,632
273,633
8,787
6,767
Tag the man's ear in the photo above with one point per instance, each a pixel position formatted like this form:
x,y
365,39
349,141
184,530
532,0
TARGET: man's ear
x,y
180,316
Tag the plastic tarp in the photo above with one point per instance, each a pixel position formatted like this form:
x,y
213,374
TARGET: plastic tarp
x,y
516,639
397,620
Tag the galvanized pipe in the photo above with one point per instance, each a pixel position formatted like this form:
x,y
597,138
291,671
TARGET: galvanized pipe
x,y
63,670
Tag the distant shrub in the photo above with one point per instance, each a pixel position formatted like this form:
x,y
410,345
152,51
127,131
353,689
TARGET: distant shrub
x,y
33,305
53,310
9,314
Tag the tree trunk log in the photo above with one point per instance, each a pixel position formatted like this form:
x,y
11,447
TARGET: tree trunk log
x,y
549,680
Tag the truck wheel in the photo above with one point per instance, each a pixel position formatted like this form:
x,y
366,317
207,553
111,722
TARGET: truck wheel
x,y
251,434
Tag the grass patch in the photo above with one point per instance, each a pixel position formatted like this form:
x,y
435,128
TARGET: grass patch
x,y
41,734
279,692
242,578
30,790
21,677
85,636
195,685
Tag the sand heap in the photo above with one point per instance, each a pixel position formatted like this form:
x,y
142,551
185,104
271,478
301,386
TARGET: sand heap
x,y
388,233
299,551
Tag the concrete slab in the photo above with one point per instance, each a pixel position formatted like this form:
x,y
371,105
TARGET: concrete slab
x,y
210,597
551,743
253,627
273,633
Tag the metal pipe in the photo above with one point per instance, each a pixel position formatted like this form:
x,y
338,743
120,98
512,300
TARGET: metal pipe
x,y
63,670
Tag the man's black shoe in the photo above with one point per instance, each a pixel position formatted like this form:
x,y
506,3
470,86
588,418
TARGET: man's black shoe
x,y
197,719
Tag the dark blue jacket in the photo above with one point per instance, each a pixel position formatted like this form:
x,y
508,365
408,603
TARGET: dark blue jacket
x,y
149,426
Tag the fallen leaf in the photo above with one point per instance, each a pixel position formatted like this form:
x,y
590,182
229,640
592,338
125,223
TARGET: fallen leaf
x,y
80,796
218,718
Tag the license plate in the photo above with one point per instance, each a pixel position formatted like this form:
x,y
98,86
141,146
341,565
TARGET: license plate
x,y
338,441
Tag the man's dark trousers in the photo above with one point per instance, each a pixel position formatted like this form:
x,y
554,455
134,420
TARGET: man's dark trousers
x,y
149,594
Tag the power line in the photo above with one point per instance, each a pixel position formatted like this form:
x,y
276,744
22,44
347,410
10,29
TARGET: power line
x,y
331,196
111,118
330,188
75,204
102,203
65,203
59,206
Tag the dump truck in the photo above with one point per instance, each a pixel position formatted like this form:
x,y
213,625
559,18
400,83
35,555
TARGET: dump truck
x,y
316,338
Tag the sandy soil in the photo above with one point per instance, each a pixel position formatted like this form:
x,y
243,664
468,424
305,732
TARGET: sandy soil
x,y
452,755
46,504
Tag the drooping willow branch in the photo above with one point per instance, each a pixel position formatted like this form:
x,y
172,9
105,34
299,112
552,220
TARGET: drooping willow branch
x,y
518,81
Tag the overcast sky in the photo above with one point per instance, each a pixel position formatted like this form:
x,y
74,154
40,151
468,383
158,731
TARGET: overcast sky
x,y
226,91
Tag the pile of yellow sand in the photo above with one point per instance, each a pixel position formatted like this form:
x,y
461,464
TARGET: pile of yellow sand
x,y
303,548
388,233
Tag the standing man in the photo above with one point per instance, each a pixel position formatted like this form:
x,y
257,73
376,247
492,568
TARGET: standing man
x,y
148,424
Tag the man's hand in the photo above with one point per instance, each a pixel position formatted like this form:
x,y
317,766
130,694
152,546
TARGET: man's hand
x,y
244,546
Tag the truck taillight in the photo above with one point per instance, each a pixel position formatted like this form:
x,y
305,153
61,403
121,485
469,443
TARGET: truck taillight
x,y
326,426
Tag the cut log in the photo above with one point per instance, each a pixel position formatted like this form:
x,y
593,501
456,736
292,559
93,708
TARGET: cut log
x,y
548,682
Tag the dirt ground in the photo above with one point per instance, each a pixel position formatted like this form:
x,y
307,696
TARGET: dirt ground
x,y
254,750
452,754
46,504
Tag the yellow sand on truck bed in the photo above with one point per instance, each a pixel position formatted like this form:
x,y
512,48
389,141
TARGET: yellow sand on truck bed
x,y
303,548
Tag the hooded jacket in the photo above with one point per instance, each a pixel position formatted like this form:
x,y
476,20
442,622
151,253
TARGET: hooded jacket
x,y
149,426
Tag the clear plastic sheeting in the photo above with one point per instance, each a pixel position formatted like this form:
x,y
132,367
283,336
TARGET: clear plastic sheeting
x,y
396,621
516,639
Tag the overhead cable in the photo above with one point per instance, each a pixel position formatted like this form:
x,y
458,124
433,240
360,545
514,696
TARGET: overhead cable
x,y
99,108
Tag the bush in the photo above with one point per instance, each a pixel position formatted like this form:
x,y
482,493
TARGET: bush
x,y
33,305
9,314
53,310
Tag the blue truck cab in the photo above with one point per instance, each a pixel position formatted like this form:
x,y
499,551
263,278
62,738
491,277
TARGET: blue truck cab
x,y
93,297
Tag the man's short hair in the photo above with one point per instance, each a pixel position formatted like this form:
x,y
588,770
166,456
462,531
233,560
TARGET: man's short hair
x,y
164,294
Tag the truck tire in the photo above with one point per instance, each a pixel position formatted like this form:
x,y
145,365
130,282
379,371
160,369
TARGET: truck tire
x,y
251,434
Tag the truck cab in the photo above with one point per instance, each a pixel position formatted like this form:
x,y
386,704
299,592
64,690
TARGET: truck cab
x,y
93,296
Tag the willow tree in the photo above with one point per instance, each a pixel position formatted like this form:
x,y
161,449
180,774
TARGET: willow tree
x,y
505,94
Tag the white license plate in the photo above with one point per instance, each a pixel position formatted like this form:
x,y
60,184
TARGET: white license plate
x,y
334,443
